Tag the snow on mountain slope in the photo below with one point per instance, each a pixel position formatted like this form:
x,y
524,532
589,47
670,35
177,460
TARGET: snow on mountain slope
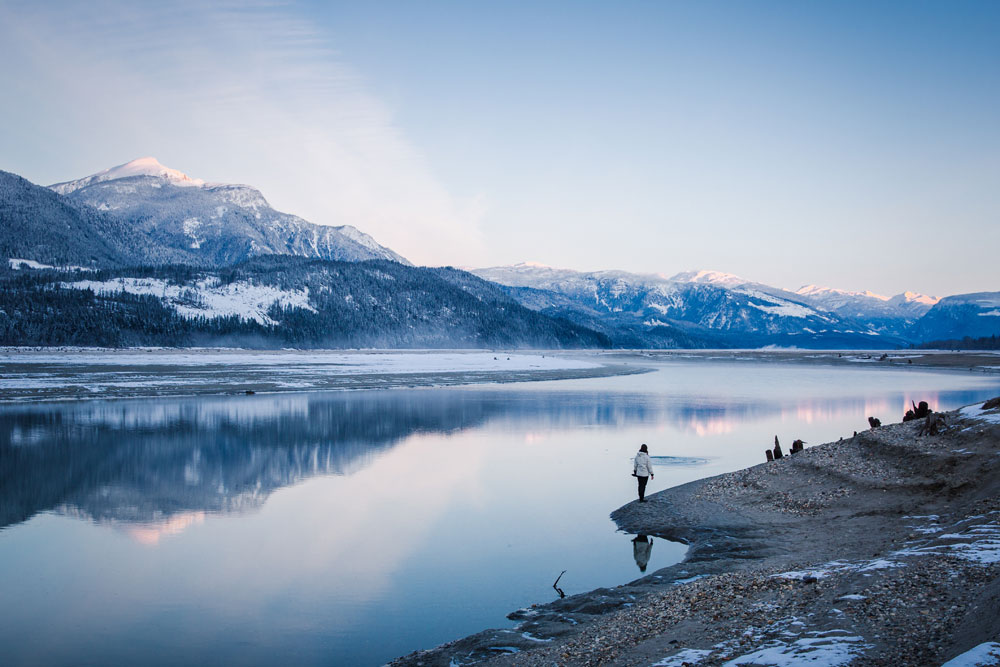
x,y
709,277
144,166
540,276
207,297
824,292
911,298
213,223
18,264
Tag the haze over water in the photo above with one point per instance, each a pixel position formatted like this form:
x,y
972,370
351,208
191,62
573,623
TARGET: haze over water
x,y
353,527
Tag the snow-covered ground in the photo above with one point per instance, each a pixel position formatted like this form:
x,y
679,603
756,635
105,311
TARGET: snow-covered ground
x,y
983,655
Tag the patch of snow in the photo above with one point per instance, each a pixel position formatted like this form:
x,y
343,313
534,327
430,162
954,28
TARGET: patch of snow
x,y
978,544
880,564
688,656
992,313
976,412
825,570
826,649
243,196
789,310
18,264
852,596
778,306
798,575
191,226
984,655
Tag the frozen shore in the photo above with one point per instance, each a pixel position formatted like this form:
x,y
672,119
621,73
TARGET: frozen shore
x,y
880,549
73,373
87,373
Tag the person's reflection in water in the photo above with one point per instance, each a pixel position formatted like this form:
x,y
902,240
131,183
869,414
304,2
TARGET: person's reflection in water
x,y
642,547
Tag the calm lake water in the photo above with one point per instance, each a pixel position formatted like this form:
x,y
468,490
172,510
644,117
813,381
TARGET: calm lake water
x,y
353,527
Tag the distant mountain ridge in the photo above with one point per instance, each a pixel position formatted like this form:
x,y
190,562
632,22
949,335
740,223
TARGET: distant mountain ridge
x,y
711,308
973,315
707,309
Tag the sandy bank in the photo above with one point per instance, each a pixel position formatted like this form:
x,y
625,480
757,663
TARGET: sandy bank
x,y
881,549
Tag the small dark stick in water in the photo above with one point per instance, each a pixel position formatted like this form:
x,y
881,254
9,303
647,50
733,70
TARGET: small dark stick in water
x,y
556,582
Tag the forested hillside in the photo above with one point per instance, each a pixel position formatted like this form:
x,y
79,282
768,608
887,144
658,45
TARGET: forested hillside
x,y
274,301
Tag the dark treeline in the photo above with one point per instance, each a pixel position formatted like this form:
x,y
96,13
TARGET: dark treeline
x,y
966,343
376,303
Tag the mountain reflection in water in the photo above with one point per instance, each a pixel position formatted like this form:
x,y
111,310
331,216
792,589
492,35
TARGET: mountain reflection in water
x,y
159,465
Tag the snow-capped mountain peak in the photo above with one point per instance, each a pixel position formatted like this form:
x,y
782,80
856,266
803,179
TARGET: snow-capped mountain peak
x,y
212,224
709,277
144,166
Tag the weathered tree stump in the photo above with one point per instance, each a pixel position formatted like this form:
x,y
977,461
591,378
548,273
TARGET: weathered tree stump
x,y
768,454
933,424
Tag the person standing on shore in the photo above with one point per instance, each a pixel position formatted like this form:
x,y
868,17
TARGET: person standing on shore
x,y
643,470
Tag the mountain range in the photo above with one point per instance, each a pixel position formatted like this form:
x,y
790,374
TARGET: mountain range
x,y
709,308
126,221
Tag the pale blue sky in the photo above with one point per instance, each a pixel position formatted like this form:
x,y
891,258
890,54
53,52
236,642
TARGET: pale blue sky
x,y
854,145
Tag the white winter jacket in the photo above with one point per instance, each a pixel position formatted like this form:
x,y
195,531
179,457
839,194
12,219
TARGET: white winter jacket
x,y
643,466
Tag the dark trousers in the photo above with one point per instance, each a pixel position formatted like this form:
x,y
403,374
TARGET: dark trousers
x,y
642,487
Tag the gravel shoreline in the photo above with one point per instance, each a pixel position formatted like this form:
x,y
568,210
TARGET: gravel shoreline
x,y
880,549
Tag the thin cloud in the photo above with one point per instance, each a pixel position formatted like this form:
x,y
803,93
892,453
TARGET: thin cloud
x,y
227,92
